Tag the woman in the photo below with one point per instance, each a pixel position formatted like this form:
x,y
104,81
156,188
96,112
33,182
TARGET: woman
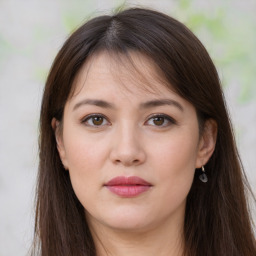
x,y
137,155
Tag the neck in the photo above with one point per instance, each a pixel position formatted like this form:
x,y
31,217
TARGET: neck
x,y
165,239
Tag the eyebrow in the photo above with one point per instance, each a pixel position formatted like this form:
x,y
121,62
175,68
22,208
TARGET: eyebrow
x,y
161,102
148,104
94,102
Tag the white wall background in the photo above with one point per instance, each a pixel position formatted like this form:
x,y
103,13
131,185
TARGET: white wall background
x,y
31,32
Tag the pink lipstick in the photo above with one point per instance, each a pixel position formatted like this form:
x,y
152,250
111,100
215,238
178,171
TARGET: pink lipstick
x,y
128,186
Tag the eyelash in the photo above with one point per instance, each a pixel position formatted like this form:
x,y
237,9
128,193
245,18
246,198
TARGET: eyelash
x,y
167,120
90,117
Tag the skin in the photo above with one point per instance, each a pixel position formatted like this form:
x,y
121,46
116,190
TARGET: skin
x,y
125,139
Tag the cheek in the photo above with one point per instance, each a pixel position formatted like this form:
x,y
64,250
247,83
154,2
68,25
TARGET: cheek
x,y
84,152
175,161
86,158
177,151
85,172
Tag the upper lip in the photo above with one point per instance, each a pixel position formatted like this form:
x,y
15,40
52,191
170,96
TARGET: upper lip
x,y
128,181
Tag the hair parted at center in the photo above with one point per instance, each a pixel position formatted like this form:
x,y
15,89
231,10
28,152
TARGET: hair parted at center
x,y
217,217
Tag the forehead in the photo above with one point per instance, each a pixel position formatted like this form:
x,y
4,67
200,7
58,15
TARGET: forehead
x,y
131,73
127,83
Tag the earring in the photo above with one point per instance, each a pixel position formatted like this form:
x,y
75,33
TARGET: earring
x,y
203,177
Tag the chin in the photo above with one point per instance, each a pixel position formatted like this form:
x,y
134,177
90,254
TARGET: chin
x,y
129,224
128,219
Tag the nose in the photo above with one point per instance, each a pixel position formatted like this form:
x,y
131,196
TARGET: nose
x,y
127,148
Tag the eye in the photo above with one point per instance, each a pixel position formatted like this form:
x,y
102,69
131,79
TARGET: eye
x,y
160,120
95,120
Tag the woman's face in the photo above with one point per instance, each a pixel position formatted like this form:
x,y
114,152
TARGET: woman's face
x,y
131,152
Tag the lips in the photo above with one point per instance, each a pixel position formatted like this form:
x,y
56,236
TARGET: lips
x,y
128,186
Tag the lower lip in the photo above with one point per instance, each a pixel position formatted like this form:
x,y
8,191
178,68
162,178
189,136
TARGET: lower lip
x,y
128,191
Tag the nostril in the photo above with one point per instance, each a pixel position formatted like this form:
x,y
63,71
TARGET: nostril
x,y
127,156
127,162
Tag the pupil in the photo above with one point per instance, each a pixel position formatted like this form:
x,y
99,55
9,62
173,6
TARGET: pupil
x,y
158,120
97,120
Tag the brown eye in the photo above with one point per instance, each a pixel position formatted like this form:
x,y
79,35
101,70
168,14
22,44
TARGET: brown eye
x,y
158,120
97,120
161,121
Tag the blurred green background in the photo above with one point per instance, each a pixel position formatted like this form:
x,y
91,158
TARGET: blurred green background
x,y
31,33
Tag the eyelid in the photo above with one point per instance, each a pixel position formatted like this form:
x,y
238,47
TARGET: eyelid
x,y
170,119
87,117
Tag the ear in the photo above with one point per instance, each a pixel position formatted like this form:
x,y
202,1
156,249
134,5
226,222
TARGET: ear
x,y
56,126
207,143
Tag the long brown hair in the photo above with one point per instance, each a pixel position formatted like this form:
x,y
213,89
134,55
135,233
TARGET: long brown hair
x,y
217,219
